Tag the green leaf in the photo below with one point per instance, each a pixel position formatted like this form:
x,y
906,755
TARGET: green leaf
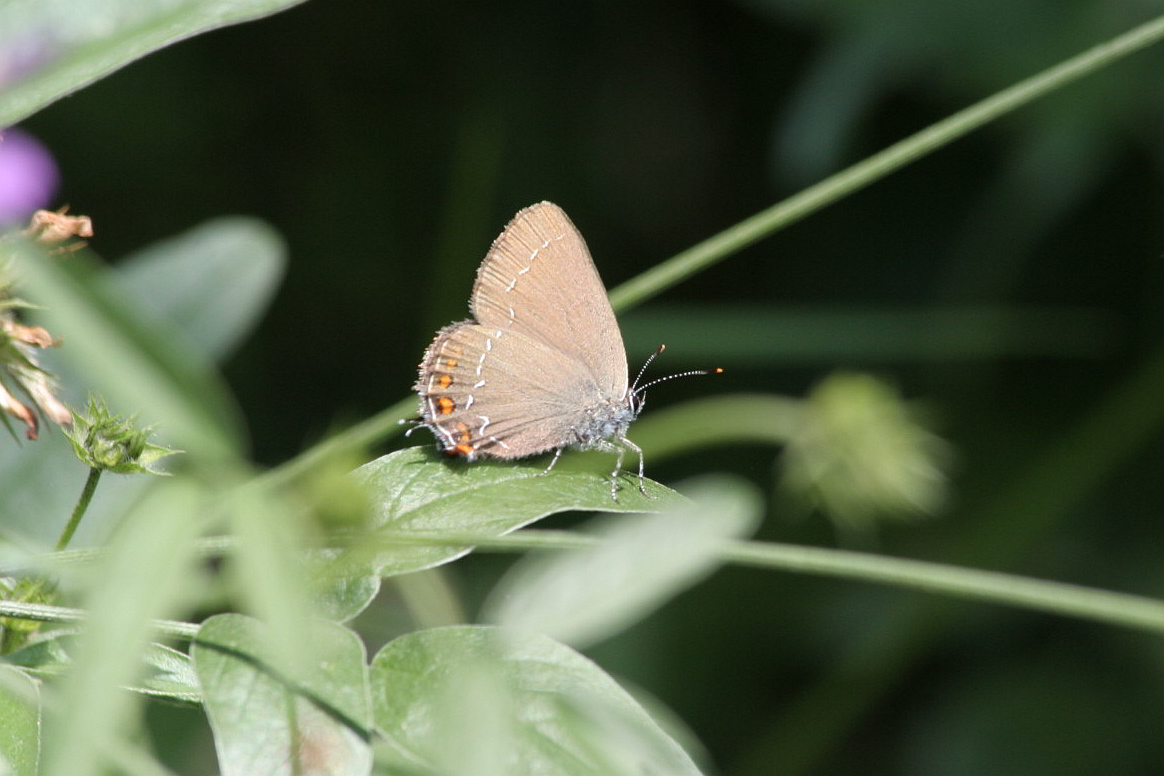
x,y
42,479
339,589
268,568
420,497
19,723
73,44
341,582
142,576
586,595
166,673
133,364
212,283
525,703
259,716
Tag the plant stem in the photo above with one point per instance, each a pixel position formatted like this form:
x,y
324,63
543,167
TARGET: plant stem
x,y
64,614
79,510
1124,609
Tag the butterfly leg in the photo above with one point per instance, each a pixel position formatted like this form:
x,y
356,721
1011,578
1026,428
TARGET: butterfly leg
x,y
639,450
618,469
557,455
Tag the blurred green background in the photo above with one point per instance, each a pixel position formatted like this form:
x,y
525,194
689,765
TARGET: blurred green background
x,y
389,143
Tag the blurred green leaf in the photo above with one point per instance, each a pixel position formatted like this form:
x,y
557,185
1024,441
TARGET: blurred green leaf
x,y
418,497
260,716
340,590
562,713
167,673
268,568
66,46
162,279
342,583
583,596
212,283
131,363
141,577
19,723
471,704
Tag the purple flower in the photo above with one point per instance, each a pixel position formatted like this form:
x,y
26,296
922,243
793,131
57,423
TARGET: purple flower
x,y
28,176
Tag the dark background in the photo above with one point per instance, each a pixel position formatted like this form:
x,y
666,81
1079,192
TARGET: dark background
x,y
389,143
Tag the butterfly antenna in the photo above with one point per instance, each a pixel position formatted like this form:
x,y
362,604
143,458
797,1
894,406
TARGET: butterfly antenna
x,y
652,357
639,389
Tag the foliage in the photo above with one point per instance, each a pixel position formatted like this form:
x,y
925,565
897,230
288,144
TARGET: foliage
x,y
246,594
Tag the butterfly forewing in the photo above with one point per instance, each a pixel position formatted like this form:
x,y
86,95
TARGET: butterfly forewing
x,y
538,280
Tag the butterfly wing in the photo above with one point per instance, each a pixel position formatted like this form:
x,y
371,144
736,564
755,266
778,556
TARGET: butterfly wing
x,y
501,393
538,280
543,365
